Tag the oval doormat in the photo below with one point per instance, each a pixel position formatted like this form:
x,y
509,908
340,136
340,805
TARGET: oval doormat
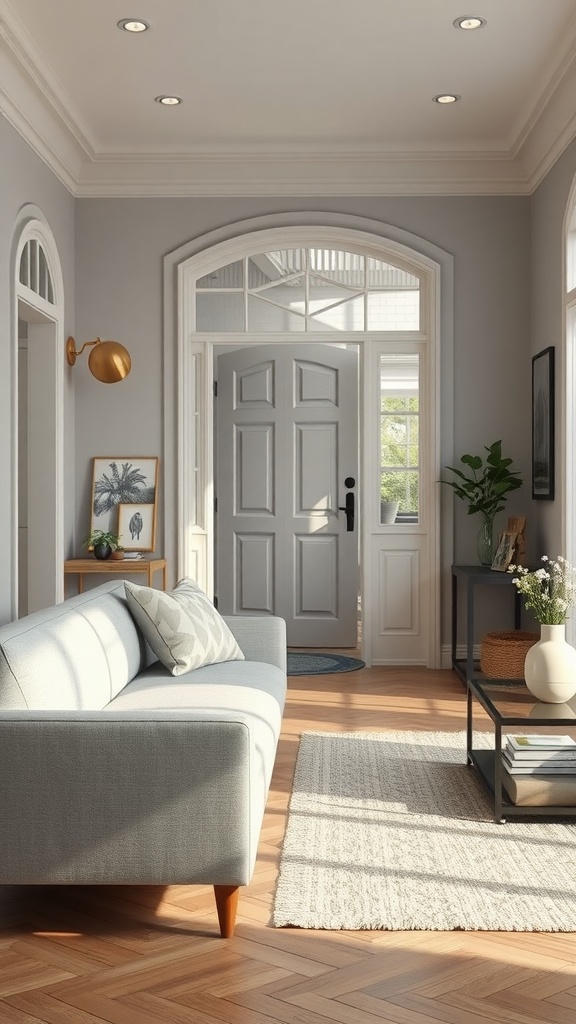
x,y
300,663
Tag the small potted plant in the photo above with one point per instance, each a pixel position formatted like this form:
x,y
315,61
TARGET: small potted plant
x,y
102,543
117,552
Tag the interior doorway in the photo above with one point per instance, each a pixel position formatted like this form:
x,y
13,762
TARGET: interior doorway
x,y
273,278
40,565
38,439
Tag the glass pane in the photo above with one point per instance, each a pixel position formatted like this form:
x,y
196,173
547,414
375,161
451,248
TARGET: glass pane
x,y
403,488
345,268
24,269
231,276
348,316
394,441
264,316
291,295
221,311
399,436
394,310
383,276
268,267
315,325
33,282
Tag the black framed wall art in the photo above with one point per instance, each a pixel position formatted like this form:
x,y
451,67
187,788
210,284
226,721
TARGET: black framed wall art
x,y
543,425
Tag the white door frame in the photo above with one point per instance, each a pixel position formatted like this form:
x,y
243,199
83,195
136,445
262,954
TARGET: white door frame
x,y
566,415
188,362
46,433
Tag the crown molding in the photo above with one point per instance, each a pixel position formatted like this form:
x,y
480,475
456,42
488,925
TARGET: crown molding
x,y
34,103
299,174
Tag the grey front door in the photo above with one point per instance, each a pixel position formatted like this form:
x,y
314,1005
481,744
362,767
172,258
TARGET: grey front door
x,y
286,464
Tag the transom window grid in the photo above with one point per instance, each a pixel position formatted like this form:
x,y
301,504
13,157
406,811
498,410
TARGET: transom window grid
x,y
308,290
34,272
400,469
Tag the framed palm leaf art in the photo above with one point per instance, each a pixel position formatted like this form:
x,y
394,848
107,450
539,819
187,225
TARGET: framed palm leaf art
x,y
120,480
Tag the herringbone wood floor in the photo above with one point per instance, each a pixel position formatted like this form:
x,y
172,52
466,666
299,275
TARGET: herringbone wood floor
x,y
145,956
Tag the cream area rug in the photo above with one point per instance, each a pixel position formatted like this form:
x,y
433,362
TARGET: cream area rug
x,y
394,831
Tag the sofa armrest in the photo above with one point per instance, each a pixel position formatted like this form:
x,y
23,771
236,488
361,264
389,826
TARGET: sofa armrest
x,y
260,637
135,797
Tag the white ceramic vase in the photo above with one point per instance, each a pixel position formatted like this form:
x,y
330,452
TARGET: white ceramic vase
x,y
550,666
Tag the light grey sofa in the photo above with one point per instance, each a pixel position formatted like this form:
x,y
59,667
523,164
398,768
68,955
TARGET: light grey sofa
x,y
113,771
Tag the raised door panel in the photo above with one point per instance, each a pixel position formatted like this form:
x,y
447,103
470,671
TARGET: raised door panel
x,y
254,573
401,625
316,576
315,385
316,462
398,575
254,387
254,469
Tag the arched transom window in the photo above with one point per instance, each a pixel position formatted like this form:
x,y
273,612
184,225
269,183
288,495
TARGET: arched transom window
x,y
308,289
34,272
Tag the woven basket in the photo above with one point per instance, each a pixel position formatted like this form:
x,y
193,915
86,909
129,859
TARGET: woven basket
x,y
502,655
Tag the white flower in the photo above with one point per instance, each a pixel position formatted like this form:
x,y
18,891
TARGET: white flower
x,y
550,592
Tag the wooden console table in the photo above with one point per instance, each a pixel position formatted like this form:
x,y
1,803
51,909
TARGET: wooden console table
x,y
82,567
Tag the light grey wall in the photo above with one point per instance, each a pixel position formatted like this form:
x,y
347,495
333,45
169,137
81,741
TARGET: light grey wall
x,y
24,179
120,246
549,204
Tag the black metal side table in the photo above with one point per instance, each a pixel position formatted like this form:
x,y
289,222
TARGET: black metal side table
x,y
473,576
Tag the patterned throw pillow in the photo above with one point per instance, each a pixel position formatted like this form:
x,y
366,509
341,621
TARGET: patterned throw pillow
x,y
183,628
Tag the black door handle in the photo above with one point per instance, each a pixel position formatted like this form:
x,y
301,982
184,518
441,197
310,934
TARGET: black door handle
x,y
348,508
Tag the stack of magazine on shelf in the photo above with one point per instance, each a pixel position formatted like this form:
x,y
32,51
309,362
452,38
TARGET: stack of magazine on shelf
x,y
540,755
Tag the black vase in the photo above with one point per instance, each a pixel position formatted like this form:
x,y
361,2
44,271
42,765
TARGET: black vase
x,y
102,551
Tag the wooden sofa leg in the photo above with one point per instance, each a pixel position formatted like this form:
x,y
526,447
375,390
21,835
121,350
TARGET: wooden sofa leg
x,y
226,905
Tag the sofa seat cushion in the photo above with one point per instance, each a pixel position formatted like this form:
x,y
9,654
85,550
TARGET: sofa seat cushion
x,y
237,691
183,627
242,686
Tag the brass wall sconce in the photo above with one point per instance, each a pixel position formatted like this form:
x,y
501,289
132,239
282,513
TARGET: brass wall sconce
x,y
108,361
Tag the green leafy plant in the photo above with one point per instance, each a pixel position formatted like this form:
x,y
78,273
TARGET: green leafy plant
x,y
491,479
97,538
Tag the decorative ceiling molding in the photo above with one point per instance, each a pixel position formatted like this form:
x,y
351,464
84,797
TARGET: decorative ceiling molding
x,y
32,101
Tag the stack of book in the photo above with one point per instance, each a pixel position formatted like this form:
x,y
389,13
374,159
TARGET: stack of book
x,y
540,755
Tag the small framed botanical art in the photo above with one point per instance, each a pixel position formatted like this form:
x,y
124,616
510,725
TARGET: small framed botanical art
x,y
543,425
137,526
124,480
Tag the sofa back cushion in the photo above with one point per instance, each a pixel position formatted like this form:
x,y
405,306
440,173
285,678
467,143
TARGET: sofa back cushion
x,y
77,655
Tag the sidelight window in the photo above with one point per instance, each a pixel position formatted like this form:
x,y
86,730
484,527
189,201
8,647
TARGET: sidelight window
x,y
399,439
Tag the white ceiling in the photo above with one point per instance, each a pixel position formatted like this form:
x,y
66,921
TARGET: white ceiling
x,y
295,97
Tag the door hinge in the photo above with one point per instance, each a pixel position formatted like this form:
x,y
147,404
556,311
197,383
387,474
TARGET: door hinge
x,y
215,388
215,600
215,504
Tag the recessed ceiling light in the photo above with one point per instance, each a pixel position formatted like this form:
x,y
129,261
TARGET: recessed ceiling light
x,y
469,22
133,25
169,101
446,97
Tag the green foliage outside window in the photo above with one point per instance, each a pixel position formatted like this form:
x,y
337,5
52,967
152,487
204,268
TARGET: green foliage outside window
x,y
401,487
399,451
